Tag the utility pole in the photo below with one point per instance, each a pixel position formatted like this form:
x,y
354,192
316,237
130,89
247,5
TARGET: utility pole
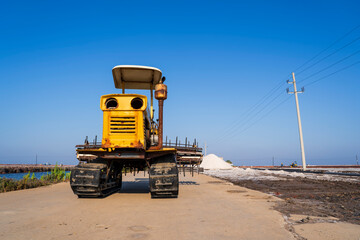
x,y
273,161
295,92
36,159
205,148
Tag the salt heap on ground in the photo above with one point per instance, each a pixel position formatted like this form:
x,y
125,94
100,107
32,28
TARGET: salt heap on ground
x,y
211,161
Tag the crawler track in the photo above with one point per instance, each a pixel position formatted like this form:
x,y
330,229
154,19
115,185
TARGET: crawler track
x,y
164,177
94,180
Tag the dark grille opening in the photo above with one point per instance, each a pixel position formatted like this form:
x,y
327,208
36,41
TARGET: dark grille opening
x,y
120,125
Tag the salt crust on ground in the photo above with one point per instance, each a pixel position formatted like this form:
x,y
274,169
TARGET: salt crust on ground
x,y
211,161
336,169
253,174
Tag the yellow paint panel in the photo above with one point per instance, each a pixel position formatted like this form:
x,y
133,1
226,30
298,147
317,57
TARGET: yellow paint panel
x,y
123,126
124,102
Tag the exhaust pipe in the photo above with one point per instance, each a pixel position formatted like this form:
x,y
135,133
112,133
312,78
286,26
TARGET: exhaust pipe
x,y
160,95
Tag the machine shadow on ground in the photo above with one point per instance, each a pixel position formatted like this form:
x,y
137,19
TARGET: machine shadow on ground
x,y
188,183
139,185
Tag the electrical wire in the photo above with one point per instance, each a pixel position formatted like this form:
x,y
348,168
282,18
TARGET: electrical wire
x,y
331,65
346,45
234,132
253,108
336,41
278,105
259,119
246,119
250,111
342,69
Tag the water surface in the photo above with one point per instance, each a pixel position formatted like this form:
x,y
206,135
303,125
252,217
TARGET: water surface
x,y
19,176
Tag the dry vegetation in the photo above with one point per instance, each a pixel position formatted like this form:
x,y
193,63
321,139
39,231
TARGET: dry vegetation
x,y
29,181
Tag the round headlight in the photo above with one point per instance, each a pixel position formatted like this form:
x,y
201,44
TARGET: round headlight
x,y
137,103
111,103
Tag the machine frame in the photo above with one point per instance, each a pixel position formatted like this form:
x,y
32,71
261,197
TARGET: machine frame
x,y
129,141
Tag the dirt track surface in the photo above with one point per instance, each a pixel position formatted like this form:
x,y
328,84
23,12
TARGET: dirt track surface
x,y
207,208
319,198
204,210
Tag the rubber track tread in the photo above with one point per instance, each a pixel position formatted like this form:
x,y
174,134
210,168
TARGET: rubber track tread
x,y
85,181
164,178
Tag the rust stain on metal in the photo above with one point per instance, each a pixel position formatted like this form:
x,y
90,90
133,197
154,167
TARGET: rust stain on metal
x,y
160,91
160,130
138,145
106,144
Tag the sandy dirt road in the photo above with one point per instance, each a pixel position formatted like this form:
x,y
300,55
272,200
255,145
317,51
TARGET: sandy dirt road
x,y
207,208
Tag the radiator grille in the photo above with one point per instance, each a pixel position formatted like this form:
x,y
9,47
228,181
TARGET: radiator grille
x,y
120,125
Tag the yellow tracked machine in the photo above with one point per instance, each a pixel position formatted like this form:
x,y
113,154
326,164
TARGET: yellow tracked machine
x,y
132,140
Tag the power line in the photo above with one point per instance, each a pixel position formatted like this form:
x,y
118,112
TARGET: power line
x,y
273,90
353,41
253,108
278,105
336,41
341,60
276,97
234,132
249,116
342,69
252,116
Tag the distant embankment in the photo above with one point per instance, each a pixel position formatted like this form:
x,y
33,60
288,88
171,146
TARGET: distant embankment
x,y
20,168
313,166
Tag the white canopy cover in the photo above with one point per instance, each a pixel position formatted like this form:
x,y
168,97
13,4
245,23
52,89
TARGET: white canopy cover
x,y
135,77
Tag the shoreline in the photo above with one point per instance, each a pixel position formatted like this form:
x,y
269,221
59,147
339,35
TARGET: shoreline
x,y
300,167
24,168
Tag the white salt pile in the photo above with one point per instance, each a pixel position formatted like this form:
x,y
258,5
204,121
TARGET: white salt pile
x,y
254,174
211,161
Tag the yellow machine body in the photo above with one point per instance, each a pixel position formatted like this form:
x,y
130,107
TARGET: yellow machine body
x,y
123,125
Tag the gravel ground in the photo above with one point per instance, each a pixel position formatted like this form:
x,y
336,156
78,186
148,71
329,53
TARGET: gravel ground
x,y
337,197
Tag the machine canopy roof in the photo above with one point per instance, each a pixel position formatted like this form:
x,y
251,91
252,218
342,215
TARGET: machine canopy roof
x,y
135,77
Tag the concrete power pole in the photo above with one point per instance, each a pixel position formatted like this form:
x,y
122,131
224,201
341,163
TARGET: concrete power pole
x,y
295,92
205,148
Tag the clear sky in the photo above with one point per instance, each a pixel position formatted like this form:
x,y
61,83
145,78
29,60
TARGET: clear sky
x,y
220,59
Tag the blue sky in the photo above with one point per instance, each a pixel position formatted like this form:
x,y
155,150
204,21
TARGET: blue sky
x,y
220,58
